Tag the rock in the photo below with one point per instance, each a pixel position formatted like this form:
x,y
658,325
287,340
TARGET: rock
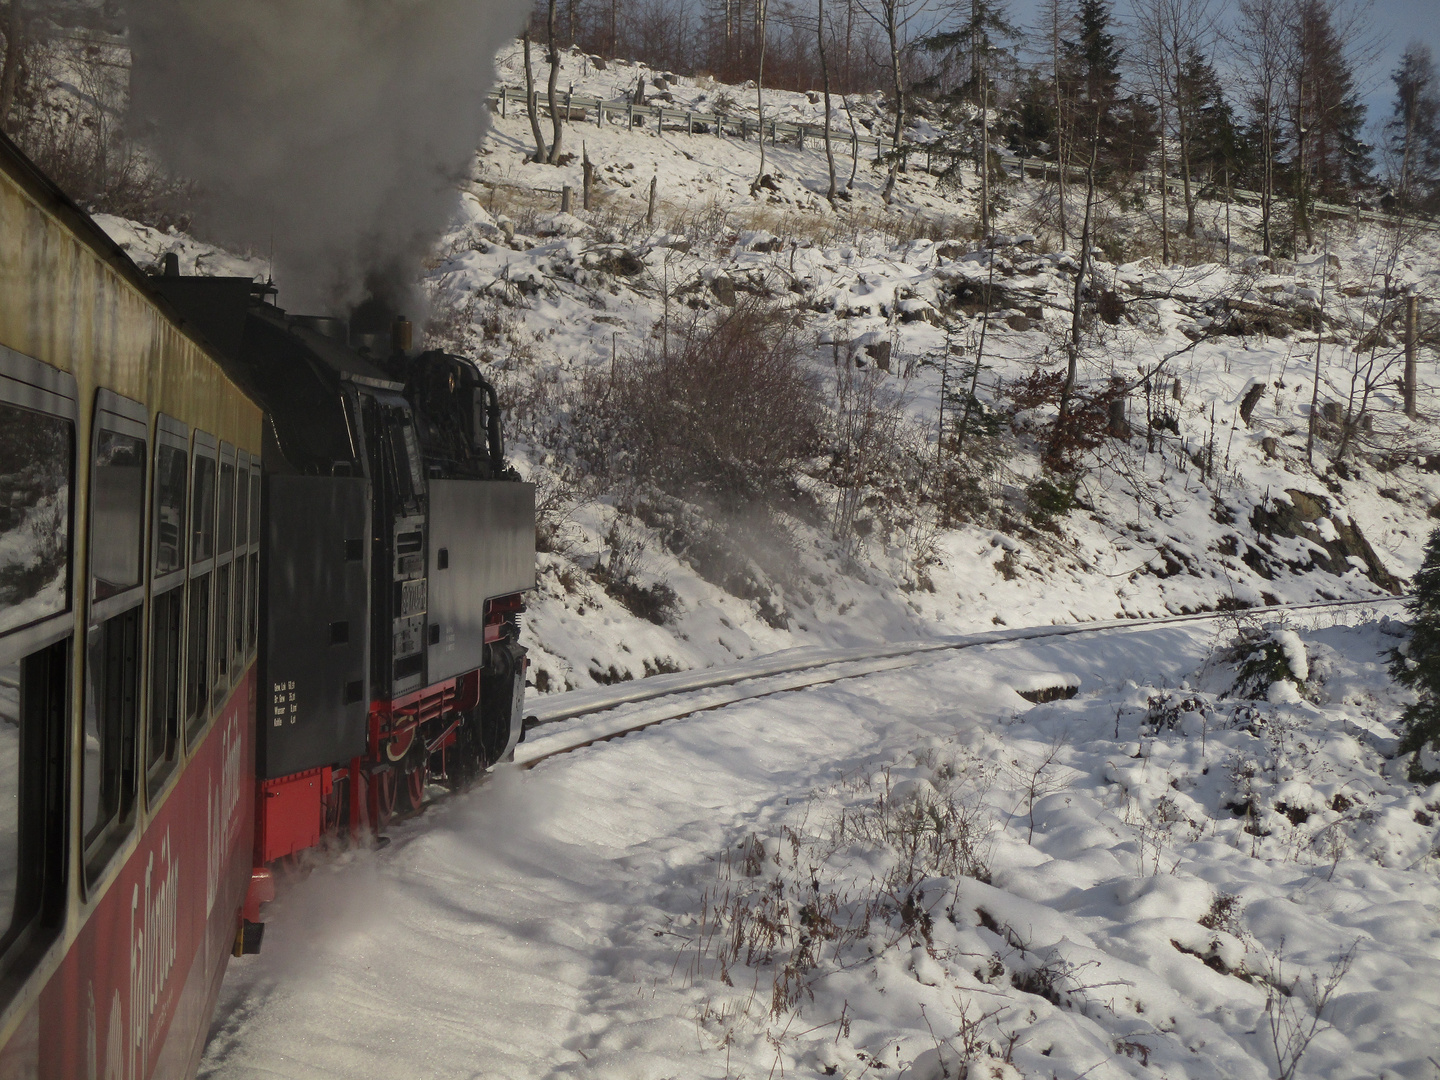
x,y
879,351
1271,446
1251,399
1018,322
1435,511
1110,307
1339,539
724,290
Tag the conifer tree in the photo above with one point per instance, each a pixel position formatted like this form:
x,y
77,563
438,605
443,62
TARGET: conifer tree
x,y
1414,131
1418,667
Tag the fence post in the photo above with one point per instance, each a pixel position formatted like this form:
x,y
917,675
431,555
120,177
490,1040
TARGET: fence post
x,y
588,176
504,97
650,212
566,194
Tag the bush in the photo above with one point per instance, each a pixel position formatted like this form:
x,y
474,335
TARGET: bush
x,y
722,414
1048,500
1416,664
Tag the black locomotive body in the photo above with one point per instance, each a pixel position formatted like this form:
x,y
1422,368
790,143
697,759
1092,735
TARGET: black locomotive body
x,y
397,548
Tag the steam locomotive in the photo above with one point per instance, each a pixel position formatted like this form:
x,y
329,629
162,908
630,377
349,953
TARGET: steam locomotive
x,y
261,582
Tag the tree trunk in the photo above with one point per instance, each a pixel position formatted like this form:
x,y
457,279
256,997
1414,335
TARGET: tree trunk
x,y
1412,304
530,106
1319,345
1072,344
892,31
984,159
554,58
1182,128
1059,120
14,49
825,82
854,141
1164,188
760,13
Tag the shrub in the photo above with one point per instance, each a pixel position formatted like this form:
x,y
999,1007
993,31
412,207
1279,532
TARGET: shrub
x,y
1416,664
721,413
1267,658
1049,499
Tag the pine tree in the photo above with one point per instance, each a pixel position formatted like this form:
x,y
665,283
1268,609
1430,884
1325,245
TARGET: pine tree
x,y
1418,667
1092,78
1213,136
1414,131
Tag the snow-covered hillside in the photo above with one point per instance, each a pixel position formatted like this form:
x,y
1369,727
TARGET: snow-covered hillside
x,y
1196,509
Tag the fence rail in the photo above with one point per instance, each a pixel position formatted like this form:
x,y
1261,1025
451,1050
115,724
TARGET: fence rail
x,y
577,107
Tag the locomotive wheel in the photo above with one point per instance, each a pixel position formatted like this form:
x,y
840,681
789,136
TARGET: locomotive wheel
x,y
465,760
380,791
416,777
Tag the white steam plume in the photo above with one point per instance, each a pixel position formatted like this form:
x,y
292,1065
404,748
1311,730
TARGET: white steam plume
x,y
331,132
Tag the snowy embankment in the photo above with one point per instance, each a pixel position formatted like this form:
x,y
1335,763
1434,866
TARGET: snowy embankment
x,y
897,873
1200,508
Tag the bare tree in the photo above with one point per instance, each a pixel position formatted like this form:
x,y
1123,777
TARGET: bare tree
x,y
530,105
554,58
1171,32
761,11
894,18
1258,50
1055,24
1072,340
825,80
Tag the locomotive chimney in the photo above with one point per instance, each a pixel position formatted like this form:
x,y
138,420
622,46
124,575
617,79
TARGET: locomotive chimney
x,y
400,334
170,264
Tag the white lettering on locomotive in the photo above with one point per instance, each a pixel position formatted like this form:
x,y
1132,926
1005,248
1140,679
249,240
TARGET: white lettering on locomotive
x,y
152,948
223,823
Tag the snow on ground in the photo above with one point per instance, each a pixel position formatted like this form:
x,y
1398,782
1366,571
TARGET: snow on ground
x,y
896,873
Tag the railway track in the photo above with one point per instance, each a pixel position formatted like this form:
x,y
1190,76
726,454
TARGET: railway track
x,y
605,714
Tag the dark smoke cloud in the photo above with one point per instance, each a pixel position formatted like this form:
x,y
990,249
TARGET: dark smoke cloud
x,y
331,132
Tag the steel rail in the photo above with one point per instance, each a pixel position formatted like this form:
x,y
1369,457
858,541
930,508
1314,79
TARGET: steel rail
x,y
787,671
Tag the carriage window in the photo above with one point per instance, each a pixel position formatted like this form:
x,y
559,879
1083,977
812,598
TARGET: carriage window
x,y
227,507
237,620
9,788
242,507
117,501
166,615
221,654
253,605
112,705
169,509
35,478
202,510
197,655
33,728
254,506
